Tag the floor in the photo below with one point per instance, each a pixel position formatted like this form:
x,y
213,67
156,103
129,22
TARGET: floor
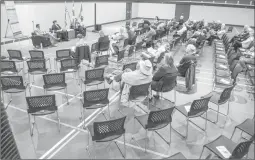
x,y
71,141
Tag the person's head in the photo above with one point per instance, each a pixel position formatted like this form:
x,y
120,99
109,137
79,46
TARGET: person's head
x,y
223,26
37,26
121,30
246,27
190,49
145,67
146,26
218,21
81,18
156,18
204,31
79,36
101,33
169,60
181,17
55,22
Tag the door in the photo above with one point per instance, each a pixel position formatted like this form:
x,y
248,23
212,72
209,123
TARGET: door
x,y
128,12
182,10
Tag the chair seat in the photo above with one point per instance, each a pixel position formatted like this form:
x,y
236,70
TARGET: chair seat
x,y
222,73
143,119
221,141
224,82
221,66
220,48
43,112
178,155
215,97
109,138
95,106
247,126
223,61
11,72
37,71
55,86
182,108
91,83
139,99
221,56
15,90
70,70
220,53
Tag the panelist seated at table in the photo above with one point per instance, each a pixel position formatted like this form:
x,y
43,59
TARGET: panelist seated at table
x,y
185,62
52,38
61,33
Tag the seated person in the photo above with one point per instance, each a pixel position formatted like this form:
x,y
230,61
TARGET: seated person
x,y
142,75
156,52
102,38
168,68
217,35
156,20
118,41
61,33
148,36
131,35
162,26
181,20
180,31
38,32
81,26
242,36
186,59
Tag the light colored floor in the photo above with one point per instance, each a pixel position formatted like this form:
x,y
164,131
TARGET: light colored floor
x,y
71,142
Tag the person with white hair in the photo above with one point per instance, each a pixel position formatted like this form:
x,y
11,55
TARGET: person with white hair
x,y
241,36
186,59
102,37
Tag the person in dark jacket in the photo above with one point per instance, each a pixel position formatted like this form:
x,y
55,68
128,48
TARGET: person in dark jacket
x,y
103,37
166,69
186,60
61,33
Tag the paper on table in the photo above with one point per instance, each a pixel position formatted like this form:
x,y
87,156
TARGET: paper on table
x,y
187,108
225,81
224,151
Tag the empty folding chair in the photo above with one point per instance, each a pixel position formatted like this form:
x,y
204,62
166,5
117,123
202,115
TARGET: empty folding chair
x,y
70,65
220,99
93,77
101,61
16,55
36,67
40,106
155,121
60,55
247,127
195,109
53,82
224,148
12,84
178,155
95,99
108,131
38,55
9,68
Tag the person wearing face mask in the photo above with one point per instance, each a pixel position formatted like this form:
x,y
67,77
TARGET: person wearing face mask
x,y
186,60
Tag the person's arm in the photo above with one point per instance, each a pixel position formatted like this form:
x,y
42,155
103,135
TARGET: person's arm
x,y
159,74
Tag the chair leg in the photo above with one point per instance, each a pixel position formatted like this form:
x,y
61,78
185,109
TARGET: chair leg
x,y
233,133
187,128
201,153
174,96
66,96
145,144
58,121
124,145
109,111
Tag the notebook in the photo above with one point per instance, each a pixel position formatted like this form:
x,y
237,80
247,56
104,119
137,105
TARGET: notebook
x,y
187,108
224,151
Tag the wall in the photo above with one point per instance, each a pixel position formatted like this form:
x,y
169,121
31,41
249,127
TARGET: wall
x,y
135,10
227,15
150,10
45,13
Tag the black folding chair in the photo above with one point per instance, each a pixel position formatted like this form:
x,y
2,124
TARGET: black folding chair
x,y
108,131
60,55
53,82
220,99
95,99
104,46
120,57
101,61
70,65
39,106
9,68
13,84
237,151
16,55
155,121
247,127
94,48
125,43
195,109
131,66
38,55
93,77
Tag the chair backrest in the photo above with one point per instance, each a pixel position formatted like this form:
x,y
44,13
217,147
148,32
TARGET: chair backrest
x,y
225,95
104,46
94,74
132,66
125,42
241,150
35,65
82,52
36,54
93,97
131,51
168,82
94,47
159,119
101,60
138,91
69,63
8,66
134,40
12,82
190,75
198,107
63,53
54,79
134,24
15,54
121,55
109,128
39,103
